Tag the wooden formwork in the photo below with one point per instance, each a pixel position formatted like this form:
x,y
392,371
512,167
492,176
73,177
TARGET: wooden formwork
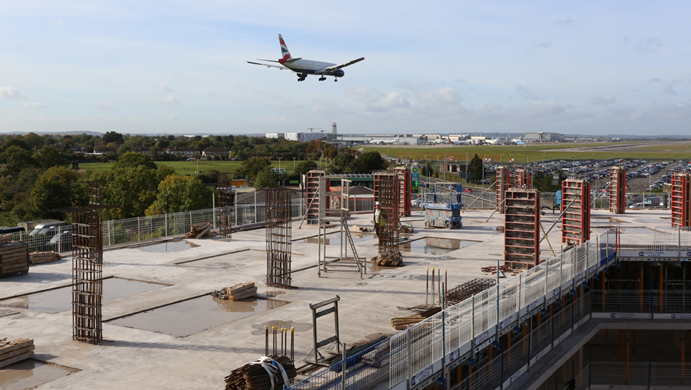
x,y
14,258
503,184
575,223
405,180
617,190
522,178
312,187
681,199
522,228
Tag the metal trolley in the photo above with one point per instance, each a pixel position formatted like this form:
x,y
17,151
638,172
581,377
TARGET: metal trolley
x,y
443,206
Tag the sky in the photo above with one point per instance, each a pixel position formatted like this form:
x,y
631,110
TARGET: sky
x,y
456,67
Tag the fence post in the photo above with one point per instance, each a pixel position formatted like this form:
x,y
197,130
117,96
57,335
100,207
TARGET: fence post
x,y
139,230
191,218
255,206
59,239
213,205
108,224
343,367
166,221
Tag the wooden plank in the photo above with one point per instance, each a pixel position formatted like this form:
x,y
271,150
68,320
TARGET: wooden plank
x,y
15,344
16,359
248,294
17,352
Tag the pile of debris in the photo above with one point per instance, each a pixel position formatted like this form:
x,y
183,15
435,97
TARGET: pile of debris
x,y
466,290
14,258
43,257
424,311
360,229
237,292
199,230
256,376
14,351
389,260
407,228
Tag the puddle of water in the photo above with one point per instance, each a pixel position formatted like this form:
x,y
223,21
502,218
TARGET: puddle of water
x,y
435,246
299,327
170,246
650,220
335,239
60,299
29,374
195,315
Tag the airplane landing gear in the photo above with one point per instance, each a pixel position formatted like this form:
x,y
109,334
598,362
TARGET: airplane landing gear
x,y
335,79
302,76
322,78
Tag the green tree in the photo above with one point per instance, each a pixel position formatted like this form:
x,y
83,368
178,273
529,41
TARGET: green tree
x,y
56,188
251,167
49,156
369,162
475,167
122,149
114,137
15,142
132,190
133,160
342,163
16,158
305,166
180,193
266,179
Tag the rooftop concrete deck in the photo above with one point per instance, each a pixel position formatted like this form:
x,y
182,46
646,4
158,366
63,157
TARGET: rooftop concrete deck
x,y
139,359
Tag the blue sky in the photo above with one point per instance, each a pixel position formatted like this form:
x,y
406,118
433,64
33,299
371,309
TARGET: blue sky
x,y
589,67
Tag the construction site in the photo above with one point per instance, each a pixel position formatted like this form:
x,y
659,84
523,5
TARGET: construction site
x,y
454,296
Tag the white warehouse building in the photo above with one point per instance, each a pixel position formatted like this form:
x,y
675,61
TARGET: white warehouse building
x,y
304,137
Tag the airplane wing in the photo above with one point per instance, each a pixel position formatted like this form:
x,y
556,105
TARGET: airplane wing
x,y
335,67
267,65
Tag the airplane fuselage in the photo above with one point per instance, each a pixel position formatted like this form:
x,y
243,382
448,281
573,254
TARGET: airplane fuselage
x,y
313,67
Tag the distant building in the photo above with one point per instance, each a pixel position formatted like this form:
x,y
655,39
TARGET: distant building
x,y
304,137
543,137
275,135
181,151
210,153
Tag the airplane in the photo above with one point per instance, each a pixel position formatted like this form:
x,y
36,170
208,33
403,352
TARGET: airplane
x,y
385,141
459,142
306,67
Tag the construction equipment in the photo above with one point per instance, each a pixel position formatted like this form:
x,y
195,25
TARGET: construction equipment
x,y
443,206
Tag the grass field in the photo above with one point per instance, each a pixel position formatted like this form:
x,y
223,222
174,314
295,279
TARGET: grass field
x,y
522,153
190,167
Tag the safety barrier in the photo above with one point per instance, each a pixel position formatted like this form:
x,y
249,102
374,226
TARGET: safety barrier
x,y
654,243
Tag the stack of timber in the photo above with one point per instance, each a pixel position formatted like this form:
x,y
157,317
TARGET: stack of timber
x,y
407,228
5,238
253,376
424,311
14,258
14,351
237,292
43,257
199,230
390,260
466,290
360,229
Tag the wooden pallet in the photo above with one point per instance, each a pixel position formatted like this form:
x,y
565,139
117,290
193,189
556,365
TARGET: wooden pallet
x,y
14,351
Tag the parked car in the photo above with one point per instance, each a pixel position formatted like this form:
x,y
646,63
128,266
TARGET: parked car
x,y
49,228
64,239
468,190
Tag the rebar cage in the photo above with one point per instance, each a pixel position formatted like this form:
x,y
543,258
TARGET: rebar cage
x,y
225,215
87,276
278,237
387,193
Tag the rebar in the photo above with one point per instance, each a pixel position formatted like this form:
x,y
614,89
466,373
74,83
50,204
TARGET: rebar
x,y
278,237
387,193
225,217
466,290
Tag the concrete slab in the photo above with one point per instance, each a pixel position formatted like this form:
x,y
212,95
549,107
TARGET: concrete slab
x,y
135,358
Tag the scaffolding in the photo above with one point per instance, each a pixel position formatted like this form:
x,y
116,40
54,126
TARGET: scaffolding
x,y
575,223
503,184
617,190
312,188
333,209
681,200
225,216
387,193
522,228
278,237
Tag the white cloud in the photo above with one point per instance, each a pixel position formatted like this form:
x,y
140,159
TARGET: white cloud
x,y
11,93
102,106
649,45
526,92
369,99
167,101
164,88
540,109
35,106
603,100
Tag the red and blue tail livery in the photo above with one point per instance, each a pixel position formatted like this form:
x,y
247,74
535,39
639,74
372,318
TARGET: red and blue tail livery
x,y
303,67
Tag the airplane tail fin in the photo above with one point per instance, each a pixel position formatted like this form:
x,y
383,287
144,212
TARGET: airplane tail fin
x,y
285,54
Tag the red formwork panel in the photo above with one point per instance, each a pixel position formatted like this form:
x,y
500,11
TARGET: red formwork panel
x,y
522,228
575,223
681,199
406,180
312,187
522,178
502,184
617,190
